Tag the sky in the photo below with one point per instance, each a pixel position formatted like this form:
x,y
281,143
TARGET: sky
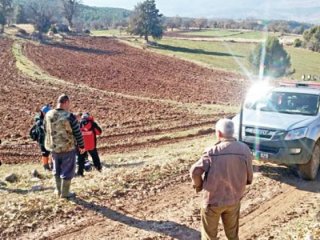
x,y
285,9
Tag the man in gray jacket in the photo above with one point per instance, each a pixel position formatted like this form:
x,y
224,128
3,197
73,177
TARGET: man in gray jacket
x,y
222,173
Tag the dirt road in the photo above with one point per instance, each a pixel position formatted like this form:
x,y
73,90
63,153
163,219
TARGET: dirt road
x,y
272,209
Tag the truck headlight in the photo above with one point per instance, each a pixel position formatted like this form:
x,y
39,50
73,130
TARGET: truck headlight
x,y
296,134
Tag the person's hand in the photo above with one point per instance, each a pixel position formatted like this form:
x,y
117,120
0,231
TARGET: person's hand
x,y
82,150
198,189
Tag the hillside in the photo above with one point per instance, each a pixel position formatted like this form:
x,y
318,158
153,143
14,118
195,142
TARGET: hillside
x,y
88,14
108,14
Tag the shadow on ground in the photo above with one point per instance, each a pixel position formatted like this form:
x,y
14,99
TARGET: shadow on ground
x,y
24,191
290,176
168,228
195,51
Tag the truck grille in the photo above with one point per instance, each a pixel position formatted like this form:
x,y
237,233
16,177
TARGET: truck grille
x,y
261,148
259,132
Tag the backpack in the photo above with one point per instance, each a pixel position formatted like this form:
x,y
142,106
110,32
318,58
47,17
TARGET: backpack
x,y
34,132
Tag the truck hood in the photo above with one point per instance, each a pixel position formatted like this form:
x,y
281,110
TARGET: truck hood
x,y
273,120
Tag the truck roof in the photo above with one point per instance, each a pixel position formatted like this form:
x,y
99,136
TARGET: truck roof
x,y
306,90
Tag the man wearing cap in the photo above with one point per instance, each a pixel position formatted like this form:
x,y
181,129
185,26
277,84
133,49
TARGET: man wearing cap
x,y
222,173
47,165
62,135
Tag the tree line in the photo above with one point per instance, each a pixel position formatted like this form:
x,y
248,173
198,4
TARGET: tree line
x,y
144,21
249,24
42,14
45,13
77,15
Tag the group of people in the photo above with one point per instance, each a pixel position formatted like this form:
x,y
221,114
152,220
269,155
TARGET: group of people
x,y
69,138
222,173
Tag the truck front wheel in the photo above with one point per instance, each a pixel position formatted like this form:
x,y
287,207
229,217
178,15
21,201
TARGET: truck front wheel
x,y
309,170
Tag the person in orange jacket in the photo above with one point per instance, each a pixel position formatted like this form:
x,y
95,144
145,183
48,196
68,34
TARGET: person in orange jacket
x,y
90,130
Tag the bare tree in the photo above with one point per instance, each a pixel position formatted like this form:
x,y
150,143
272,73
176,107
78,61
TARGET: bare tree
x,y
6,10
41,13
201,23
170,23
70,8
177,21
187,23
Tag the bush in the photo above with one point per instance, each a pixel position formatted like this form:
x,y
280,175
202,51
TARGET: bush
x,y
312,38
62,28
87,31
297,43
53,29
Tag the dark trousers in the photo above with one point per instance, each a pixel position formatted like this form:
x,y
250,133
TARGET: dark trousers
x,y
95,158
64,164
44,151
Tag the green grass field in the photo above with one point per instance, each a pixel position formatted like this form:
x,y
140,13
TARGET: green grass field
x,y
233,56
110,32
304,61
230,56
237,34
213,33
224,55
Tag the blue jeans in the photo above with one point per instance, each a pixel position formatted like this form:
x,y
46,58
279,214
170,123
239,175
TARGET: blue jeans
x,y
64,164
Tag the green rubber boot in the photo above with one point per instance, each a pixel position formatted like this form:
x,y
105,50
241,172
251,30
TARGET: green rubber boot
x,y
65,191
57,190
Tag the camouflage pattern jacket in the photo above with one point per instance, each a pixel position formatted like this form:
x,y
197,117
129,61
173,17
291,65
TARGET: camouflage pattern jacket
x,y
62,131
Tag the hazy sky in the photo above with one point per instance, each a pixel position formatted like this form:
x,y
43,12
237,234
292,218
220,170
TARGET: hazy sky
x,y
225,8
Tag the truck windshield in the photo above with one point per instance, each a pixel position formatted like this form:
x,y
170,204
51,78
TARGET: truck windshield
x,y
288,103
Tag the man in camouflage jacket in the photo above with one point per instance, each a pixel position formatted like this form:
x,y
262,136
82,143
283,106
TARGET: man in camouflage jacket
x,y
62,136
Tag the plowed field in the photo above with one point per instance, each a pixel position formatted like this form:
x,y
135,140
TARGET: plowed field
x,y
106,64
137,97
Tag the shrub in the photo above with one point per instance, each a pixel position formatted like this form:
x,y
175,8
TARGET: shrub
x,y
276,61
297,43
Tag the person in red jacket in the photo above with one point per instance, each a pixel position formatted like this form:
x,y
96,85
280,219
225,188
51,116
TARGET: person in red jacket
x,y
90,130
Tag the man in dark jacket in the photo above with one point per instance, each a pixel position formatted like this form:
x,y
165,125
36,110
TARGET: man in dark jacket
x,y
47,165
62,134
90,130
222,173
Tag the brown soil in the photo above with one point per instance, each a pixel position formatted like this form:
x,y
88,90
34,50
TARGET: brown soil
x,y
168,209
277,199
106,65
